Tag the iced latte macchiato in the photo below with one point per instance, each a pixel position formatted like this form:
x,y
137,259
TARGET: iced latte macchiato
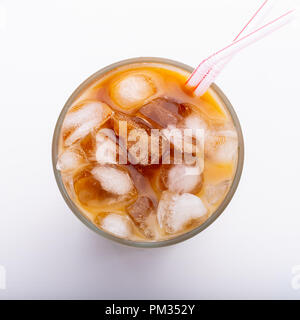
x,y
142,157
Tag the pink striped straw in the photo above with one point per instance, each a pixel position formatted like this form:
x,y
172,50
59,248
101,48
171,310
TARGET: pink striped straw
x,y
209,68
258,17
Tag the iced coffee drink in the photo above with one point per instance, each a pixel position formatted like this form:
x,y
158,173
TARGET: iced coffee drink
x,y
142,157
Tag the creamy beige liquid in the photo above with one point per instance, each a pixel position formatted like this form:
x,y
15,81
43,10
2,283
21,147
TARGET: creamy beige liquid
x,y
161,100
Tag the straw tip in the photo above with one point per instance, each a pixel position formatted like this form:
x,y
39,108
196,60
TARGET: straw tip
x,y
294,13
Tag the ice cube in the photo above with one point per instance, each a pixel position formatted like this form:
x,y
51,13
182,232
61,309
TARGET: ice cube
x,y
117,225
88,146
172,133
88,189
142,184
106,152
162,112
183,179
97,194
70,159
82,120
175,212
140,211
174,136
159,148
113,180
195,122
221,146
106,132
185,142
131,123
80,132
138,147
198,129
69,185
214,193
131,91
135,135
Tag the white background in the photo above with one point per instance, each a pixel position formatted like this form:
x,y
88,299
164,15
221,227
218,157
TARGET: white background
x,y
47,49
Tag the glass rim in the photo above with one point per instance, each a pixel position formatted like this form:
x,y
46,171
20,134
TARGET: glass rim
x,y
147,244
